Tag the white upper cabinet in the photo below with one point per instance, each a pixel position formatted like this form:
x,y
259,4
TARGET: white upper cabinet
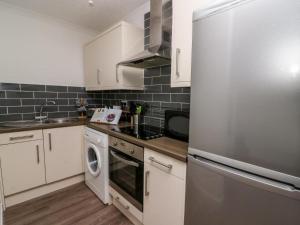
x,y
182,32
181,44
102,55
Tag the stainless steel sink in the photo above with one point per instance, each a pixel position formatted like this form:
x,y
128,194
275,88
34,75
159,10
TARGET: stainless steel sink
x,y
23,123
34,123
62,120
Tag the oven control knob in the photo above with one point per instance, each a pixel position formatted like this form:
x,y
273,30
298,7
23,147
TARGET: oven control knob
x,y
131,151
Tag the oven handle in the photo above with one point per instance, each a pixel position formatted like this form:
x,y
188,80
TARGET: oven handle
x,y
128,162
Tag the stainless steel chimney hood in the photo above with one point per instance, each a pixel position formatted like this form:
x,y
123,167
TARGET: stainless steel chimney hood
x,y
158,53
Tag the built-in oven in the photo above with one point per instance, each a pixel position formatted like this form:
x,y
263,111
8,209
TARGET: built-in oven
x,y
126,170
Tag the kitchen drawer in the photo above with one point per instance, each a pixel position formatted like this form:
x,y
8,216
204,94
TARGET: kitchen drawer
x,y
177,168
16,137
124,204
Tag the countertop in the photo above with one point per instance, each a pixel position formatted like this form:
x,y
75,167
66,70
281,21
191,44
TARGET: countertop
x,y
42,126
168,146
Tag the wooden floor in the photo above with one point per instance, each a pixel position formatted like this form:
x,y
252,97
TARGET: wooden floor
x,y
75,205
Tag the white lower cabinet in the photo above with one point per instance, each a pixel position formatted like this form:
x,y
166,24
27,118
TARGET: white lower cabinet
x,y
30,159
164,194
63,152
22,166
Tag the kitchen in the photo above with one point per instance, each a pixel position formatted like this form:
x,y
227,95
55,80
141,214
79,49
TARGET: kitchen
x,y
149,112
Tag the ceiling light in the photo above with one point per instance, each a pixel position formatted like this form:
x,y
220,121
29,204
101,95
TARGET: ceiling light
x,y
91,3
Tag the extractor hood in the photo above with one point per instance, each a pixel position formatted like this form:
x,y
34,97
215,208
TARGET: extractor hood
x,y
158,53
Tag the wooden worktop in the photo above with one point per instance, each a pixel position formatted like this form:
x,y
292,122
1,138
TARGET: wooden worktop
x,y
42,126
168,146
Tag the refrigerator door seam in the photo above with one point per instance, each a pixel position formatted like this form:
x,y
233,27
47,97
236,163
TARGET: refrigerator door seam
x,y
250,179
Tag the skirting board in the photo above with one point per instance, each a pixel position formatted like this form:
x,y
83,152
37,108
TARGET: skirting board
x,y
43,190
113,193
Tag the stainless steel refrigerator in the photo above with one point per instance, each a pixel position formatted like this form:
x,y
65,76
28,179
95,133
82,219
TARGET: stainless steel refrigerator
x,y
244,150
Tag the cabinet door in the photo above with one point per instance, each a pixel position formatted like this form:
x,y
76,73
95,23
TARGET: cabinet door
x,y
181,43
164,202
63,152
91,67
22,166
110,45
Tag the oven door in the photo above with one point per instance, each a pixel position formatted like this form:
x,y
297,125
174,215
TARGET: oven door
x,y
126,176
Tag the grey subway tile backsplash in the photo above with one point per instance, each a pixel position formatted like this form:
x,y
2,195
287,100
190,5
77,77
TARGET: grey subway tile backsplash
x,y
23,101
58,114
162,97
184,98
19,94
147,40
33,87
33,101
147,23
9,86
28,116
3,110
147,16
20,109
53,88
68,95
147,32
2,94
45,94
10,102
76,89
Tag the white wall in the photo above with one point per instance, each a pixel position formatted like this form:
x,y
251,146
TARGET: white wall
x,y
137,16
37,49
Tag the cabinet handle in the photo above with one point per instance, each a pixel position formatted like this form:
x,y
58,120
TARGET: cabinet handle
x,y
117,74
50,141
21,137
168,166
38,154
125,206
147,193
177,62
98,76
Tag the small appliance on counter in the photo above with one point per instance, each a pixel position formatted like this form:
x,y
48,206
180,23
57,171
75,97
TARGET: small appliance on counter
x,y
177,125
108,116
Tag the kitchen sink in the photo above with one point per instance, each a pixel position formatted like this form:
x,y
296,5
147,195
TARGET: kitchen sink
x,y
61,120
34,123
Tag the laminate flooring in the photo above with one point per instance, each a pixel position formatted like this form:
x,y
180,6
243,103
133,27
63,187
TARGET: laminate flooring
x,y
74,205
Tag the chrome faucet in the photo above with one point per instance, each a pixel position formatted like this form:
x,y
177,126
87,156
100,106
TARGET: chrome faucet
x,y
41,110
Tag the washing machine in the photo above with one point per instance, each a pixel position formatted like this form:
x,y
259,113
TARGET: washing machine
x,y
96,163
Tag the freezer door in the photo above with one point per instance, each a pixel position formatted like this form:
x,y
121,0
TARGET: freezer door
x,y
220,195
245,98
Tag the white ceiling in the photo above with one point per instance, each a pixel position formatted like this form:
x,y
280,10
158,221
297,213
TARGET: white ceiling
x,y
103,14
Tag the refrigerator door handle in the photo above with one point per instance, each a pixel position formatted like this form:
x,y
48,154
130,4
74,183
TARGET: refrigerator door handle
x,y
250,179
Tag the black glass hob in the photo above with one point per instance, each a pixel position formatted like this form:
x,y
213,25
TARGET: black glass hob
x,y
145,132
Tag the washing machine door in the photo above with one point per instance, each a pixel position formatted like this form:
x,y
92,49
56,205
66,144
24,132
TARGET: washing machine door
x,y
93,160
